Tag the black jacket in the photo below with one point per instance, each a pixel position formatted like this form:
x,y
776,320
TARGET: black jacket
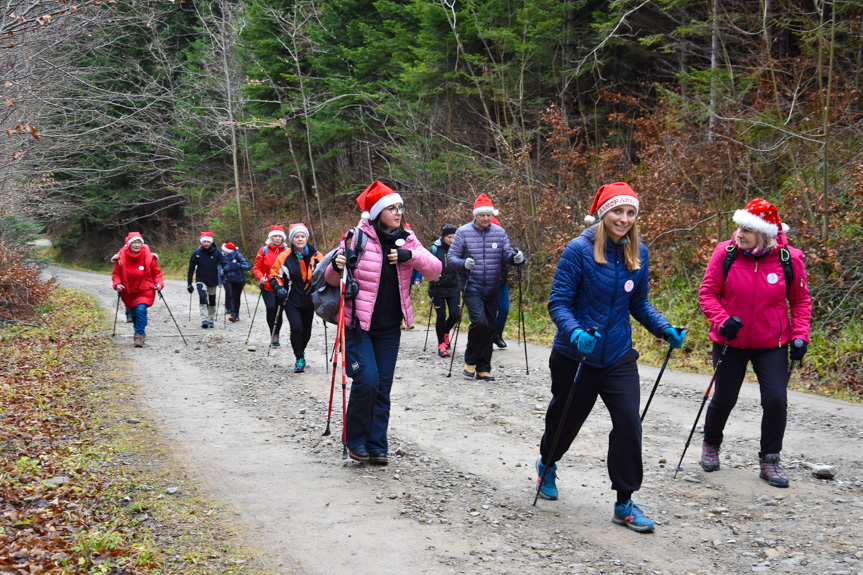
x,y
447,284
207,262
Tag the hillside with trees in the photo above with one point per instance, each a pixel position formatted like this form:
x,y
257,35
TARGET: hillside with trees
x,y
172,117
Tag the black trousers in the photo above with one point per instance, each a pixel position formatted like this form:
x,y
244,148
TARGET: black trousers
x,y
233,293
618,387
443,325
272,307
482,310
300,320
771,369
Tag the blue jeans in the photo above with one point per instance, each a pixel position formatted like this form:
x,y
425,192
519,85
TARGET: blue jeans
x,y
371,364
502,307
140,318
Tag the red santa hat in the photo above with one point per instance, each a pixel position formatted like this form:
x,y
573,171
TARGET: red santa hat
x,y
277,231
228,247
611,196
495,221
132,236
375,198
761,216
206,237
483,205
295,228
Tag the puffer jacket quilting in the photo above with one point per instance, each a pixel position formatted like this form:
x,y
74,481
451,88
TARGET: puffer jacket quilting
x,y
755,292
586,294
489,247
368,273
235,267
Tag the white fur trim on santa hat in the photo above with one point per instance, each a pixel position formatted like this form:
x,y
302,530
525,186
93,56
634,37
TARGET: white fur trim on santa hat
x,y
486,210
206,238
753,222
384,202
131,239
277,233
225,248
621,200
297,228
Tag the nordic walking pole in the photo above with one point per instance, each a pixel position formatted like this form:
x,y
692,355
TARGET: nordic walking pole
x,y
275,323
326,355
340,327
521,319
703,401
428,324
190,307
253,317
344,395
172,317
218,298
551,463
246,297
116,311
658,377
458,324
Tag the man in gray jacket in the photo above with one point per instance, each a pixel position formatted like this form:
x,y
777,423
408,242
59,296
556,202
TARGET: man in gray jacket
x,y
479,250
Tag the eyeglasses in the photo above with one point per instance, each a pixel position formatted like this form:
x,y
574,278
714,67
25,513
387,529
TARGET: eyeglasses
x,y
397,209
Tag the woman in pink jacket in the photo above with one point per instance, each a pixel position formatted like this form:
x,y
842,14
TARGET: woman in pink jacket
x,y
383,277
756,278
137,278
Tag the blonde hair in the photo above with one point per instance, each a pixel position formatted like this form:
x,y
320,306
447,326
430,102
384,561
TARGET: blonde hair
x,y
630,248
763,242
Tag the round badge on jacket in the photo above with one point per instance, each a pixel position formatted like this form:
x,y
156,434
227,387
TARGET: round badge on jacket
x,y
628,286
494,245
141,268
400,242
772,278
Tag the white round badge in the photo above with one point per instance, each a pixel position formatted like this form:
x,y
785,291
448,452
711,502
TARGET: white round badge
x,y
141,268
628,286
400,242
494,245
772,278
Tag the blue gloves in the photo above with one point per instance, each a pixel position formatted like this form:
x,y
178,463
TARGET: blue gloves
x,y
674,336
798,349
584,341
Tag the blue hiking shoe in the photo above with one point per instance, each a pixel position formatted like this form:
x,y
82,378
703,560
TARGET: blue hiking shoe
x,y
630,514
548,490
300,365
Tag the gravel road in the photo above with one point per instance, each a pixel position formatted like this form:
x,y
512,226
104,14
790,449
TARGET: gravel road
x,y
457,495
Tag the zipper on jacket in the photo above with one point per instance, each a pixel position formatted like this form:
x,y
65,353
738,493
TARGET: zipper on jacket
x,y
614,294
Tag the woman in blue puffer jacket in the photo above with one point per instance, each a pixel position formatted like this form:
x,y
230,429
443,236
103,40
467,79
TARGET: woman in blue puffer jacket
x,y
234,277
600,281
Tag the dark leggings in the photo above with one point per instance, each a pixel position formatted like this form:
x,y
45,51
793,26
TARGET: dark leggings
x,y
300,321
443,325
233,293
771,369
270,302
617,385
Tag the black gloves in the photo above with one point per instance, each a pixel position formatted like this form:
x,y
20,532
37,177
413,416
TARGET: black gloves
x,y
730,328
798,349
190,289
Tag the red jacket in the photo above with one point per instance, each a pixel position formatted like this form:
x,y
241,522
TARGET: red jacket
x,y
755,292
138,274
264,262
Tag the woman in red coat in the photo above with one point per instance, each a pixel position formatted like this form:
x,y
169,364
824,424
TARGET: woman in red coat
x,y
263,262
755,297
137,277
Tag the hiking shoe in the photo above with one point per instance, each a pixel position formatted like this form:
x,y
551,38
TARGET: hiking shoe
x,y
205,324
233,317
211,324
548,489
446,341
630,514
275,341
378,458
442,350
771,472
300,365
484,376
360,453
139,340
130,315
709,457
498,341
469,371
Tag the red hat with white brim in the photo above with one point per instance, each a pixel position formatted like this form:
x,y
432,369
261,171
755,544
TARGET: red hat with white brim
x,y
375,198
206,237
277,230
228,247
611,196
134,236
483,205
761,216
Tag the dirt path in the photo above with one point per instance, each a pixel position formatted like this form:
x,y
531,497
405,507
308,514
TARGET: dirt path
x,y
458,497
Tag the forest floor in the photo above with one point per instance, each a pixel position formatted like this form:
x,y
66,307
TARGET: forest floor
x,y
457,496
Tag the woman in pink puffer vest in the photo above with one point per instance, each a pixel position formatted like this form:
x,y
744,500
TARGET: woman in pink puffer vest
x,y
383,276
759,291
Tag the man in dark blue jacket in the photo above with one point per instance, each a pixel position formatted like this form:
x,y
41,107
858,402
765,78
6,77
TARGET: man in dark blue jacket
x,y
206,260
480,250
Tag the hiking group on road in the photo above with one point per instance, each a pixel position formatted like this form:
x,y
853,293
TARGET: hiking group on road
x,y
754,294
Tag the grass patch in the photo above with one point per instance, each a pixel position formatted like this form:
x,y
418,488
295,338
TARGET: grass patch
x,y
84,478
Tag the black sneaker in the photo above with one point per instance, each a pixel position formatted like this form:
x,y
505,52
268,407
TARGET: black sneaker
x,y
499,342
275,341
360,453
378,458
205,324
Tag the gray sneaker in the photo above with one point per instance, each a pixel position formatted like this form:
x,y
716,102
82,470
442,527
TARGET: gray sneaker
x,y
771,471
709,457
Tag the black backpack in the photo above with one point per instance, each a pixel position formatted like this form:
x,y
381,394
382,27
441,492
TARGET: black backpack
x,y
326,297
731,252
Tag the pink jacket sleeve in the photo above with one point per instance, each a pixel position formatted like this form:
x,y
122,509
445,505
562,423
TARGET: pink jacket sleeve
x,y
422,260
799,300
711,288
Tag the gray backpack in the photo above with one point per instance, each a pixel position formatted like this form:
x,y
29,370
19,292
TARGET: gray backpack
x,y
326,297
